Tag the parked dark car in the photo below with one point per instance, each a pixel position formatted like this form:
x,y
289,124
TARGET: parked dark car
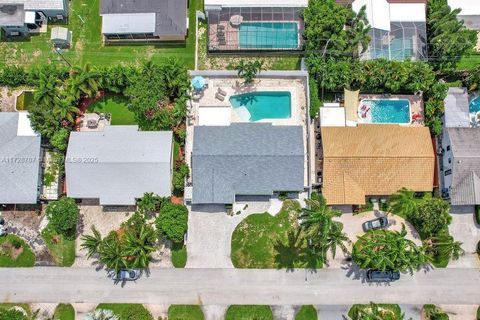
x,y
126,275
374,224
382,276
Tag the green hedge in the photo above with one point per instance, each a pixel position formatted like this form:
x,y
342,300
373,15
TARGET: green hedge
x,y
307,312
64,312
127,311
314,100
249,312
185,312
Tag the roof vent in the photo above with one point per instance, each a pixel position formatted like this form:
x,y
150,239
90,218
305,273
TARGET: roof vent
x,y
9,9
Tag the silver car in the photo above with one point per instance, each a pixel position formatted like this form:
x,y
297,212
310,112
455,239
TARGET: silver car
x,y
126,275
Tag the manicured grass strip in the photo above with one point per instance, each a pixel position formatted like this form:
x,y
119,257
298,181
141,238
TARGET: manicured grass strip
x,y
307,312
179,255
386,311
64,312
127,311
249,312
62,249
8,244
117,106
185,312
265,241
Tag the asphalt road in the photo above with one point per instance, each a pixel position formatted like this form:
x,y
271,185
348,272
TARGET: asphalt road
x,y
237,286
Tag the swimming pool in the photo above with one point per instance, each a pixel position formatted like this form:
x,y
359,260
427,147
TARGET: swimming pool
x,y
385,110
475,105
261,105
268,35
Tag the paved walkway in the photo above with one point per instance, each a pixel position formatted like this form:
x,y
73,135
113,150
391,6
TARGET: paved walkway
x,y
460,312
333,312
238,286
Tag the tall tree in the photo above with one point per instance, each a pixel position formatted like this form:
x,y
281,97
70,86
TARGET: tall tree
x,y
403,202
358,32
91,243
448,38
140,245
322,232
84,82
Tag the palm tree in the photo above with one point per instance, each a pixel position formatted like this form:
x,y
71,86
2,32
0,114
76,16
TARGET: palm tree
x,y
249,70
445,246
403,202
322,232
65,109
359,32
46,91
91,243
111,253
84,82
140,246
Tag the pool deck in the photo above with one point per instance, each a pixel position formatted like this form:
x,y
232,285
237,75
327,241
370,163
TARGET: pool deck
x,y
416,107
234,86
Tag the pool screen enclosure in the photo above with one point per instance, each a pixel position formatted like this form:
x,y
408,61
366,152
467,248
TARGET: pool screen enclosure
x,y
255,29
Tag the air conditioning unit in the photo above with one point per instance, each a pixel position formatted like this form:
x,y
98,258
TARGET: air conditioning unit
x,y
14,33
59,17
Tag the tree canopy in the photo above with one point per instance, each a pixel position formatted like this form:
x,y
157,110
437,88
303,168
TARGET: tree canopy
x,y
172,221
431,216
63,216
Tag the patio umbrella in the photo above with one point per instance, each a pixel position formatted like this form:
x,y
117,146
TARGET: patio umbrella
x,y
198,82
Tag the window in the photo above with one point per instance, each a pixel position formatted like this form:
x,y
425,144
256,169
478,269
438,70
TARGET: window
x,y
448,148
448,172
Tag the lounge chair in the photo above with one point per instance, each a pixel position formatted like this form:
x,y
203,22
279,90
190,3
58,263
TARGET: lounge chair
x,y
219,96
221,92
222,42
220,27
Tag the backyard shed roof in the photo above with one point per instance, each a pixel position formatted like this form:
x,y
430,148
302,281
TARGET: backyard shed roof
x,y
37,5
246,159
375,160
119,164
170,16
19,161
465,189
457,112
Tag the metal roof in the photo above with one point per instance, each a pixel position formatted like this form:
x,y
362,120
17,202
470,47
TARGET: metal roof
x,y
170,15
457,108
119,164
246,159
465,146
128,23
19,162
36,5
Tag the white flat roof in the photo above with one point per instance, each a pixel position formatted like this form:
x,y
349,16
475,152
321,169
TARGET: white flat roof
x,y
24,128
332,116
29,16
125,23
257,3
414,12
214,116
468,7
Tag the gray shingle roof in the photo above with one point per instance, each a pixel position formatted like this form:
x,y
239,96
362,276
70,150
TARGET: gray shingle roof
x,y
246,159
19,162
457,108
35,5
465,144
170,17
119,164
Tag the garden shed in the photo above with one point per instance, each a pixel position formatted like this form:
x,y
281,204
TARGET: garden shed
x,y
61,37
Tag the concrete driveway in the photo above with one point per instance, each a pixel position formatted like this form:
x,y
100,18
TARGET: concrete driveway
x,y
352,226
464,229
210,231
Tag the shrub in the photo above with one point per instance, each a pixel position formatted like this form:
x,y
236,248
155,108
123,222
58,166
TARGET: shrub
x,y
173,221
16,243
314,100
432,312
12,76
12,314
59,139
178,180
431,216
62,216
477,214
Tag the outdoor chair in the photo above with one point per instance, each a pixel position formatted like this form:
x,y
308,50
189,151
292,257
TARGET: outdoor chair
x,y
222,42
220,27
219,96
222,92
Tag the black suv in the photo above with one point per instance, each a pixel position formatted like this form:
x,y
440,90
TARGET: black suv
x,y
382,276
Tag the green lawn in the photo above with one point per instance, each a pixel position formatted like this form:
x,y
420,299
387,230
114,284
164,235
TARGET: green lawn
x,y
185,312
249,312
85,23
127,311
117,106
8,244
64,312
470,62
307,312
263,241
388,311
62,249
179,255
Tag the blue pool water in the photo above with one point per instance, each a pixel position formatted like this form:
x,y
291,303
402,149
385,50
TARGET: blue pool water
x,y
388,111
268,35
475,105
257,106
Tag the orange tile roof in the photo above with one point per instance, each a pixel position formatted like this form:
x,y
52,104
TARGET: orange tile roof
x,y
375,160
